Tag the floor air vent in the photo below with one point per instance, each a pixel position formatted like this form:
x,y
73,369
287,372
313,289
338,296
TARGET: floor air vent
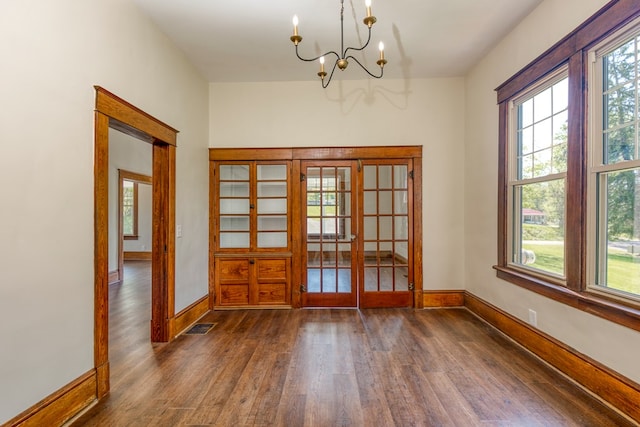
x,y
200,329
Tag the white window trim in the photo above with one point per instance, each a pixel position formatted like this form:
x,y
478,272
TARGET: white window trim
x,y
596,226
530,92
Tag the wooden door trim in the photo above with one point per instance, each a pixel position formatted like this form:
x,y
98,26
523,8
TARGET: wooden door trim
x,y
131,120
112,111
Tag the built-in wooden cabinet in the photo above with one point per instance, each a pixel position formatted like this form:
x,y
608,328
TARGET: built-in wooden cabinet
x,y
253,281
316,227
251,236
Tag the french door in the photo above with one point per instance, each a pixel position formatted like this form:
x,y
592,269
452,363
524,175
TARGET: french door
x,y
329,256
357,226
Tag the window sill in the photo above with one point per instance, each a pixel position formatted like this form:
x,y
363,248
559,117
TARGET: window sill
x,y
130,237
596,304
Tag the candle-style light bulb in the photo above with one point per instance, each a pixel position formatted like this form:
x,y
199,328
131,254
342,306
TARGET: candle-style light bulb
x,y
322,64
368,4
381,47
295,25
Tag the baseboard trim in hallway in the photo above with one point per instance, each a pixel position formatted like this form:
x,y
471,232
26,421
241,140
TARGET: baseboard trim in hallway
x,y
60,406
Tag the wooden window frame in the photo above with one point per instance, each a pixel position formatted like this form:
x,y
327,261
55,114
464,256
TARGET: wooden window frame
x,y
572,52
136,178
134,214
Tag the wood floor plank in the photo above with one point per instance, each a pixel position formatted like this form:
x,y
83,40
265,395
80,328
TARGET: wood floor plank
x,y
329,367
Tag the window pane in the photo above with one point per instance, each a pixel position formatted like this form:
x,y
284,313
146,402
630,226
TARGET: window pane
x,y
526,113
542,105
619,254
619,65
127,220
541,144
561,96
538,235
542,135
619,145
619,103
526,140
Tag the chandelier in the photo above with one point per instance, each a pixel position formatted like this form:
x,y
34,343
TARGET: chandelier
x,y
342,58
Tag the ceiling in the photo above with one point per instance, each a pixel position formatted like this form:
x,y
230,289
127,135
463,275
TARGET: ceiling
x,y
248,40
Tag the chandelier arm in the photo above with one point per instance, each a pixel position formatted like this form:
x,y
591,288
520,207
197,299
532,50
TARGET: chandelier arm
x,y
365,68
324,85
357,49
317,57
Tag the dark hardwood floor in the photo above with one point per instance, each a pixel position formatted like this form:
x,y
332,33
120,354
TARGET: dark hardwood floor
x,y
379,367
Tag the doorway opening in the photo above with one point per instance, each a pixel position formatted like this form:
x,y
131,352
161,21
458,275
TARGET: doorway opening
x,y
134,212
112,112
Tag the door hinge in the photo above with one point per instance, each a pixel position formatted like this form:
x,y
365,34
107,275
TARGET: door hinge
x,y
303,288
412,287
302,177
411,174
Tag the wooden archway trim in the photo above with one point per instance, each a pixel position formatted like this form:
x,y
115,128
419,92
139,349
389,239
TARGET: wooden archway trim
x,y
131,116
112,111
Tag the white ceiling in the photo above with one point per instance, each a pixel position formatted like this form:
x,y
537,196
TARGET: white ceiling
x,y
248,40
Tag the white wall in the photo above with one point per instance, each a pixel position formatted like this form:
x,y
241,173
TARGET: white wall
x,y
365,113
53,53
611,344
132,155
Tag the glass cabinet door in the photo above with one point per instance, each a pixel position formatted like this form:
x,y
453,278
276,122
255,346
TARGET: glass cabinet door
x,y
272,204
253,206
235,206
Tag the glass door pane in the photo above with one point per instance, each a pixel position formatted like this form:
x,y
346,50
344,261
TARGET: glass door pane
x,y
329,250
385,235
